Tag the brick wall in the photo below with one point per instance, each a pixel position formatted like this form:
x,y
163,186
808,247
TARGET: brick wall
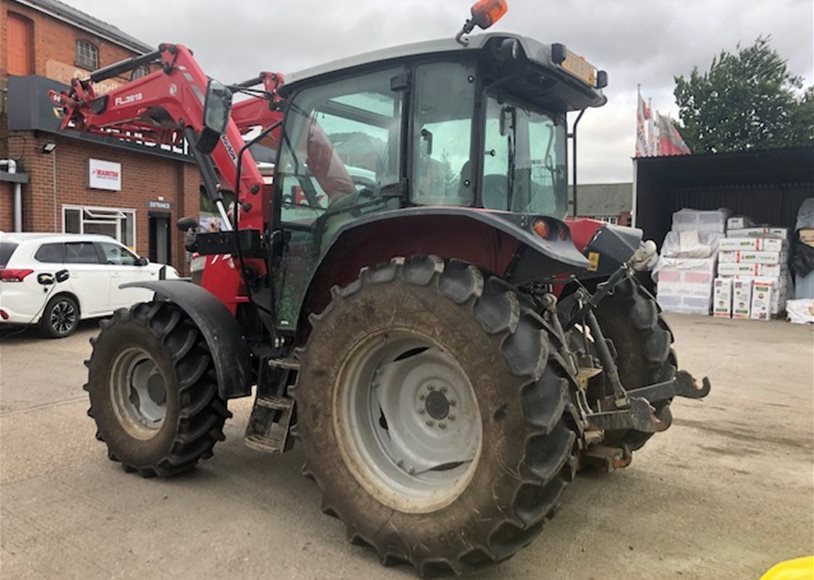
x,y
55,40
144,178
6,206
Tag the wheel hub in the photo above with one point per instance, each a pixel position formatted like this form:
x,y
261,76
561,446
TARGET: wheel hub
x,y
138,392
437,405
408,416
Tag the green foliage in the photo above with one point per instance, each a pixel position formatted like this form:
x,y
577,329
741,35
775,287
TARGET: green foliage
x,y
747,100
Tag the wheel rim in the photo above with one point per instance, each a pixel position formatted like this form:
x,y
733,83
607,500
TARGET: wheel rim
x,y
63,317
407,419
139,393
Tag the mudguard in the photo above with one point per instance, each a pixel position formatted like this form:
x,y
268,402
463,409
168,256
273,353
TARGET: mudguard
x,y
220,330
502,243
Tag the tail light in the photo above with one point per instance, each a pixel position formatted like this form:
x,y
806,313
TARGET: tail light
x,y
541,228
4,315
14,275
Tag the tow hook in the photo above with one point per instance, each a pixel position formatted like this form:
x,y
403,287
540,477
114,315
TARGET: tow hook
x,y
639,413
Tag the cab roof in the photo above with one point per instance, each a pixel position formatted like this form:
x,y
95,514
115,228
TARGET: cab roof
x,y
580,95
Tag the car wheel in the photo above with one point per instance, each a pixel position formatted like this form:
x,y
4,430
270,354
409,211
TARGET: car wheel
x,y
60,317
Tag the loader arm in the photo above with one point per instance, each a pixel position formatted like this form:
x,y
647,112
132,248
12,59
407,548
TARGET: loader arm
x,y
161,108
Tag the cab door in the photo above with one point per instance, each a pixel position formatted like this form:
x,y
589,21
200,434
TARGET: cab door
x,y
88,277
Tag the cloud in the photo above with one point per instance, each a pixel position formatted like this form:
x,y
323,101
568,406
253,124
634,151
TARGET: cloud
x,y
635,41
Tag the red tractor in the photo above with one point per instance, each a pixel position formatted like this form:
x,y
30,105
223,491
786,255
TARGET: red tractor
x,y
405,294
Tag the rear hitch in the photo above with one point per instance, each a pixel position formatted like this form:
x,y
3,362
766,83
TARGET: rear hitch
x,y
639,416
682,385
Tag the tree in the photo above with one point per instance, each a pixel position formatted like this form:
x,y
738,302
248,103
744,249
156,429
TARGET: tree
x,y
747,100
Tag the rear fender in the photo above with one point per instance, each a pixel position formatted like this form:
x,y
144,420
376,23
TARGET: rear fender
x,y
220,330
501,243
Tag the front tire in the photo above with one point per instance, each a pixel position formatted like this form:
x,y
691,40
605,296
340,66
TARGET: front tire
x,y
153,390
393,356
60,317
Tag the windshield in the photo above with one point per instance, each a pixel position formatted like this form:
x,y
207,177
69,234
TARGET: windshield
x,y
524,167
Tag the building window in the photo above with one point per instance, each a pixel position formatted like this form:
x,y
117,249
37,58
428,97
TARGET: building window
x,y
139,72
119,224
613,220
87,55
20,45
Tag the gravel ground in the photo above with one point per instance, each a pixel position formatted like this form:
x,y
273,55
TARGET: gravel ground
x,y
725,493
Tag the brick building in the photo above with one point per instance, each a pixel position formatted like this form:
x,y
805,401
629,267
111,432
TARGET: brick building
x,y
72,182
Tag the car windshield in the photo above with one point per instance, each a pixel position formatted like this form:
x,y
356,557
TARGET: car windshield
x,y
6,250
524,167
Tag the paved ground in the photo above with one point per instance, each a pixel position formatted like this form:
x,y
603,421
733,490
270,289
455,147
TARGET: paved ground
x,y
725,493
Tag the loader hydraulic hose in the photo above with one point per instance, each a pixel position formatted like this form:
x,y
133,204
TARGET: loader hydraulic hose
x,y
123,66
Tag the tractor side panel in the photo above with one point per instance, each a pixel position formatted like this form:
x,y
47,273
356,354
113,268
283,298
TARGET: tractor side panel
x,y
454,237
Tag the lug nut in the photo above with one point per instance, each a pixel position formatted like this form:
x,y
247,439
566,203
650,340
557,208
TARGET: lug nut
x,y
442,425
421,411
429,422
451,416
443,389
452,402
430,387
421,397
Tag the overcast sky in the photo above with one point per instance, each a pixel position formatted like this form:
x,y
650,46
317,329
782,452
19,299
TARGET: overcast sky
x,y
636,41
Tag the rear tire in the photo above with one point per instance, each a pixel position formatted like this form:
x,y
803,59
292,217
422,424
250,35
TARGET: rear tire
x,y
153,390
60,317
459,516
632,320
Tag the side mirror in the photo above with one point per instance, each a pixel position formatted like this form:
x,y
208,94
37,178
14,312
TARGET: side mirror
x,y
142,261
427,137
187,223
217,108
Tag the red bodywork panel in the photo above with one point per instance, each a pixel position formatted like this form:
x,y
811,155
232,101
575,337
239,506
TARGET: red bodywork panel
x,y
583,231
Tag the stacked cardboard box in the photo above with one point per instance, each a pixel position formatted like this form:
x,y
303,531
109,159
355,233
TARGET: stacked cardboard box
x,y
755,259
686,268
693,220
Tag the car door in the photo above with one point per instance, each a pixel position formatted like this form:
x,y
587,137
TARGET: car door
x,y
125,267
88,277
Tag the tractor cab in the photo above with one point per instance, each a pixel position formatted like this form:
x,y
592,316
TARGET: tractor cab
x,y
428,128
439,123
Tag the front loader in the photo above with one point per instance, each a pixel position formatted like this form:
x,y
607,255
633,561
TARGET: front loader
x,y
404,295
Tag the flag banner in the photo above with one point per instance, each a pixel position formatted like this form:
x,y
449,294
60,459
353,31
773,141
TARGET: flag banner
x,y
642,117
669,139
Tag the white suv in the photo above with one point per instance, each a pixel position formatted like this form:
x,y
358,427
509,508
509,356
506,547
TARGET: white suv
x,y
54,280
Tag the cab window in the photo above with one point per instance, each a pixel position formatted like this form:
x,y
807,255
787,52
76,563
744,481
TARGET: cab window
x,y
117,255
442,134
524,159
341,147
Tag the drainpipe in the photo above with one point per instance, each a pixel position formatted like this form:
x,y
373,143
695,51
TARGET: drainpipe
x,y
18,195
